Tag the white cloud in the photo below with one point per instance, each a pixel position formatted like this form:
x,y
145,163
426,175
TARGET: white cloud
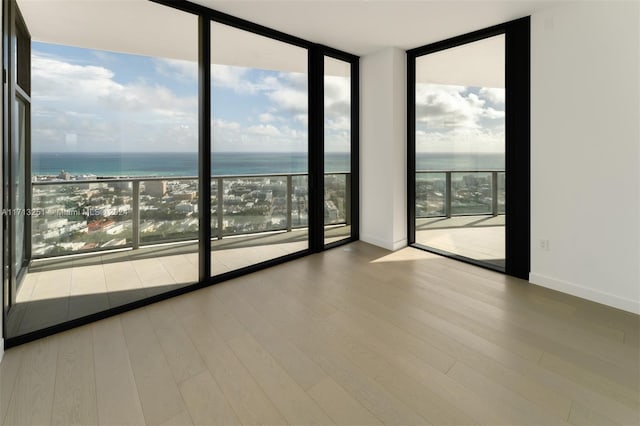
x,y
232,77
456,118
287,92
337,97
86,101
461,140
493,114
266,117
269,109
176,68
290,100
55,79
259,138
342,122
448,106
337,113
223,124
496,96
264,129
442,106
302,118
273,101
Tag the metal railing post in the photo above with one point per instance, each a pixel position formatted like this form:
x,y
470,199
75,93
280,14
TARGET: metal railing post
x,y
347,199
494,193
447,195
289,196
220,208
135,215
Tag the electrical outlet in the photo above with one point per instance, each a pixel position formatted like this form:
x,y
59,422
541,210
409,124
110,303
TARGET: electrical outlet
x,y
543,245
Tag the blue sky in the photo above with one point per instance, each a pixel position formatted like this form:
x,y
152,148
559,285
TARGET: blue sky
x,y
87,100
96,101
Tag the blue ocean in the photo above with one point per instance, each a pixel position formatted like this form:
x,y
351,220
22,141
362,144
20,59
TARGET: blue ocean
x,y
466,161
230,163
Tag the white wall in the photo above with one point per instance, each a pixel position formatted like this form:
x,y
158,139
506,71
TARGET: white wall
x,y
585,150
383,143
585,141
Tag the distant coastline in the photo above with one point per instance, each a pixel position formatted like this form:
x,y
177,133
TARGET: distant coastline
x,y
230,163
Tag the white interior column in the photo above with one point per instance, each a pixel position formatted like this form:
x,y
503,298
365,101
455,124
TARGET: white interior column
x,y
383,148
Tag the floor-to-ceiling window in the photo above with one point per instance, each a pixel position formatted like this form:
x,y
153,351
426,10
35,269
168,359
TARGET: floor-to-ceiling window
x,y
337,150
460,148
113,160
15,152
122,162
468,155
259,149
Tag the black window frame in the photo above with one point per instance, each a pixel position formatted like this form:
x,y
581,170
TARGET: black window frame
x,y
16,86
319,53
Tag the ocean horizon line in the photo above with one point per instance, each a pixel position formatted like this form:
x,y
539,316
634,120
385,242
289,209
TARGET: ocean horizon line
x,y
231,163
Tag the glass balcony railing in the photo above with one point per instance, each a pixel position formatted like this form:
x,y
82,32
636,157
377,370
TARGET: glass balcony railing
x,y
80,216
458,193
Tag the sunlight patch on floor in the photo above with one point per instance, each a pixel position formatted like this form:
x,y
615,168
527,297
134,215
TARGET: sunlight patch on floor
x,y
406,254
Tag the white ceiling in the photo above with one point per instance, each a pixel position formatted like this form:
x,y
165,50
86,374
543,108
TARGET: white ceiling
x,y
365,26
356,26
479,64
127,26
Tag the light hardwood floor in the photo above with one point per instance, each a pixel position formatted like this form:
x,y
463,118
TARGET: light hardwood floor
x,y
354,335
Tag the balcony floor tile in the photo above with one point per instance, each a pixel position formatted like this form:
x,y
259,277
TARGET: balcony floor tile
x,y
476,237
69,287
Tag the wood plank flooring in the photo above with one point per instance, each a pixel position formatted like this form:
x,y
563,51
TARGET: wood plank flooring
x,y
354,335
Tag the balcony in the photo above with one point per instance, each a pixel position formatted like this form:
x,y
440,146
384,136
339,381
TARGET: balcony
x,y
101,243
462,212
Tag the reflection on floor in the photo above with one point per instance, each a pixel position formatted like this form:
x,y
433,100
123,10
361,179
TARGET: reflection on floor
x,y
475,237
69,287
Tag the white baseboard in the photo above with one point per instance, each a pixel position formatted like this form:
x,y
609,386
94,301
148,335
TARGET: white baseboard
x,y
402,243
625,304
375,241
392,246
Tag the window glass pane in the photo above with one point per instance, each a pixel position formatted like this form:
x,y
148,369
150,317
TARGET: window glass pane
x,y
460,149
18,169
259,183
114,141
337,147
